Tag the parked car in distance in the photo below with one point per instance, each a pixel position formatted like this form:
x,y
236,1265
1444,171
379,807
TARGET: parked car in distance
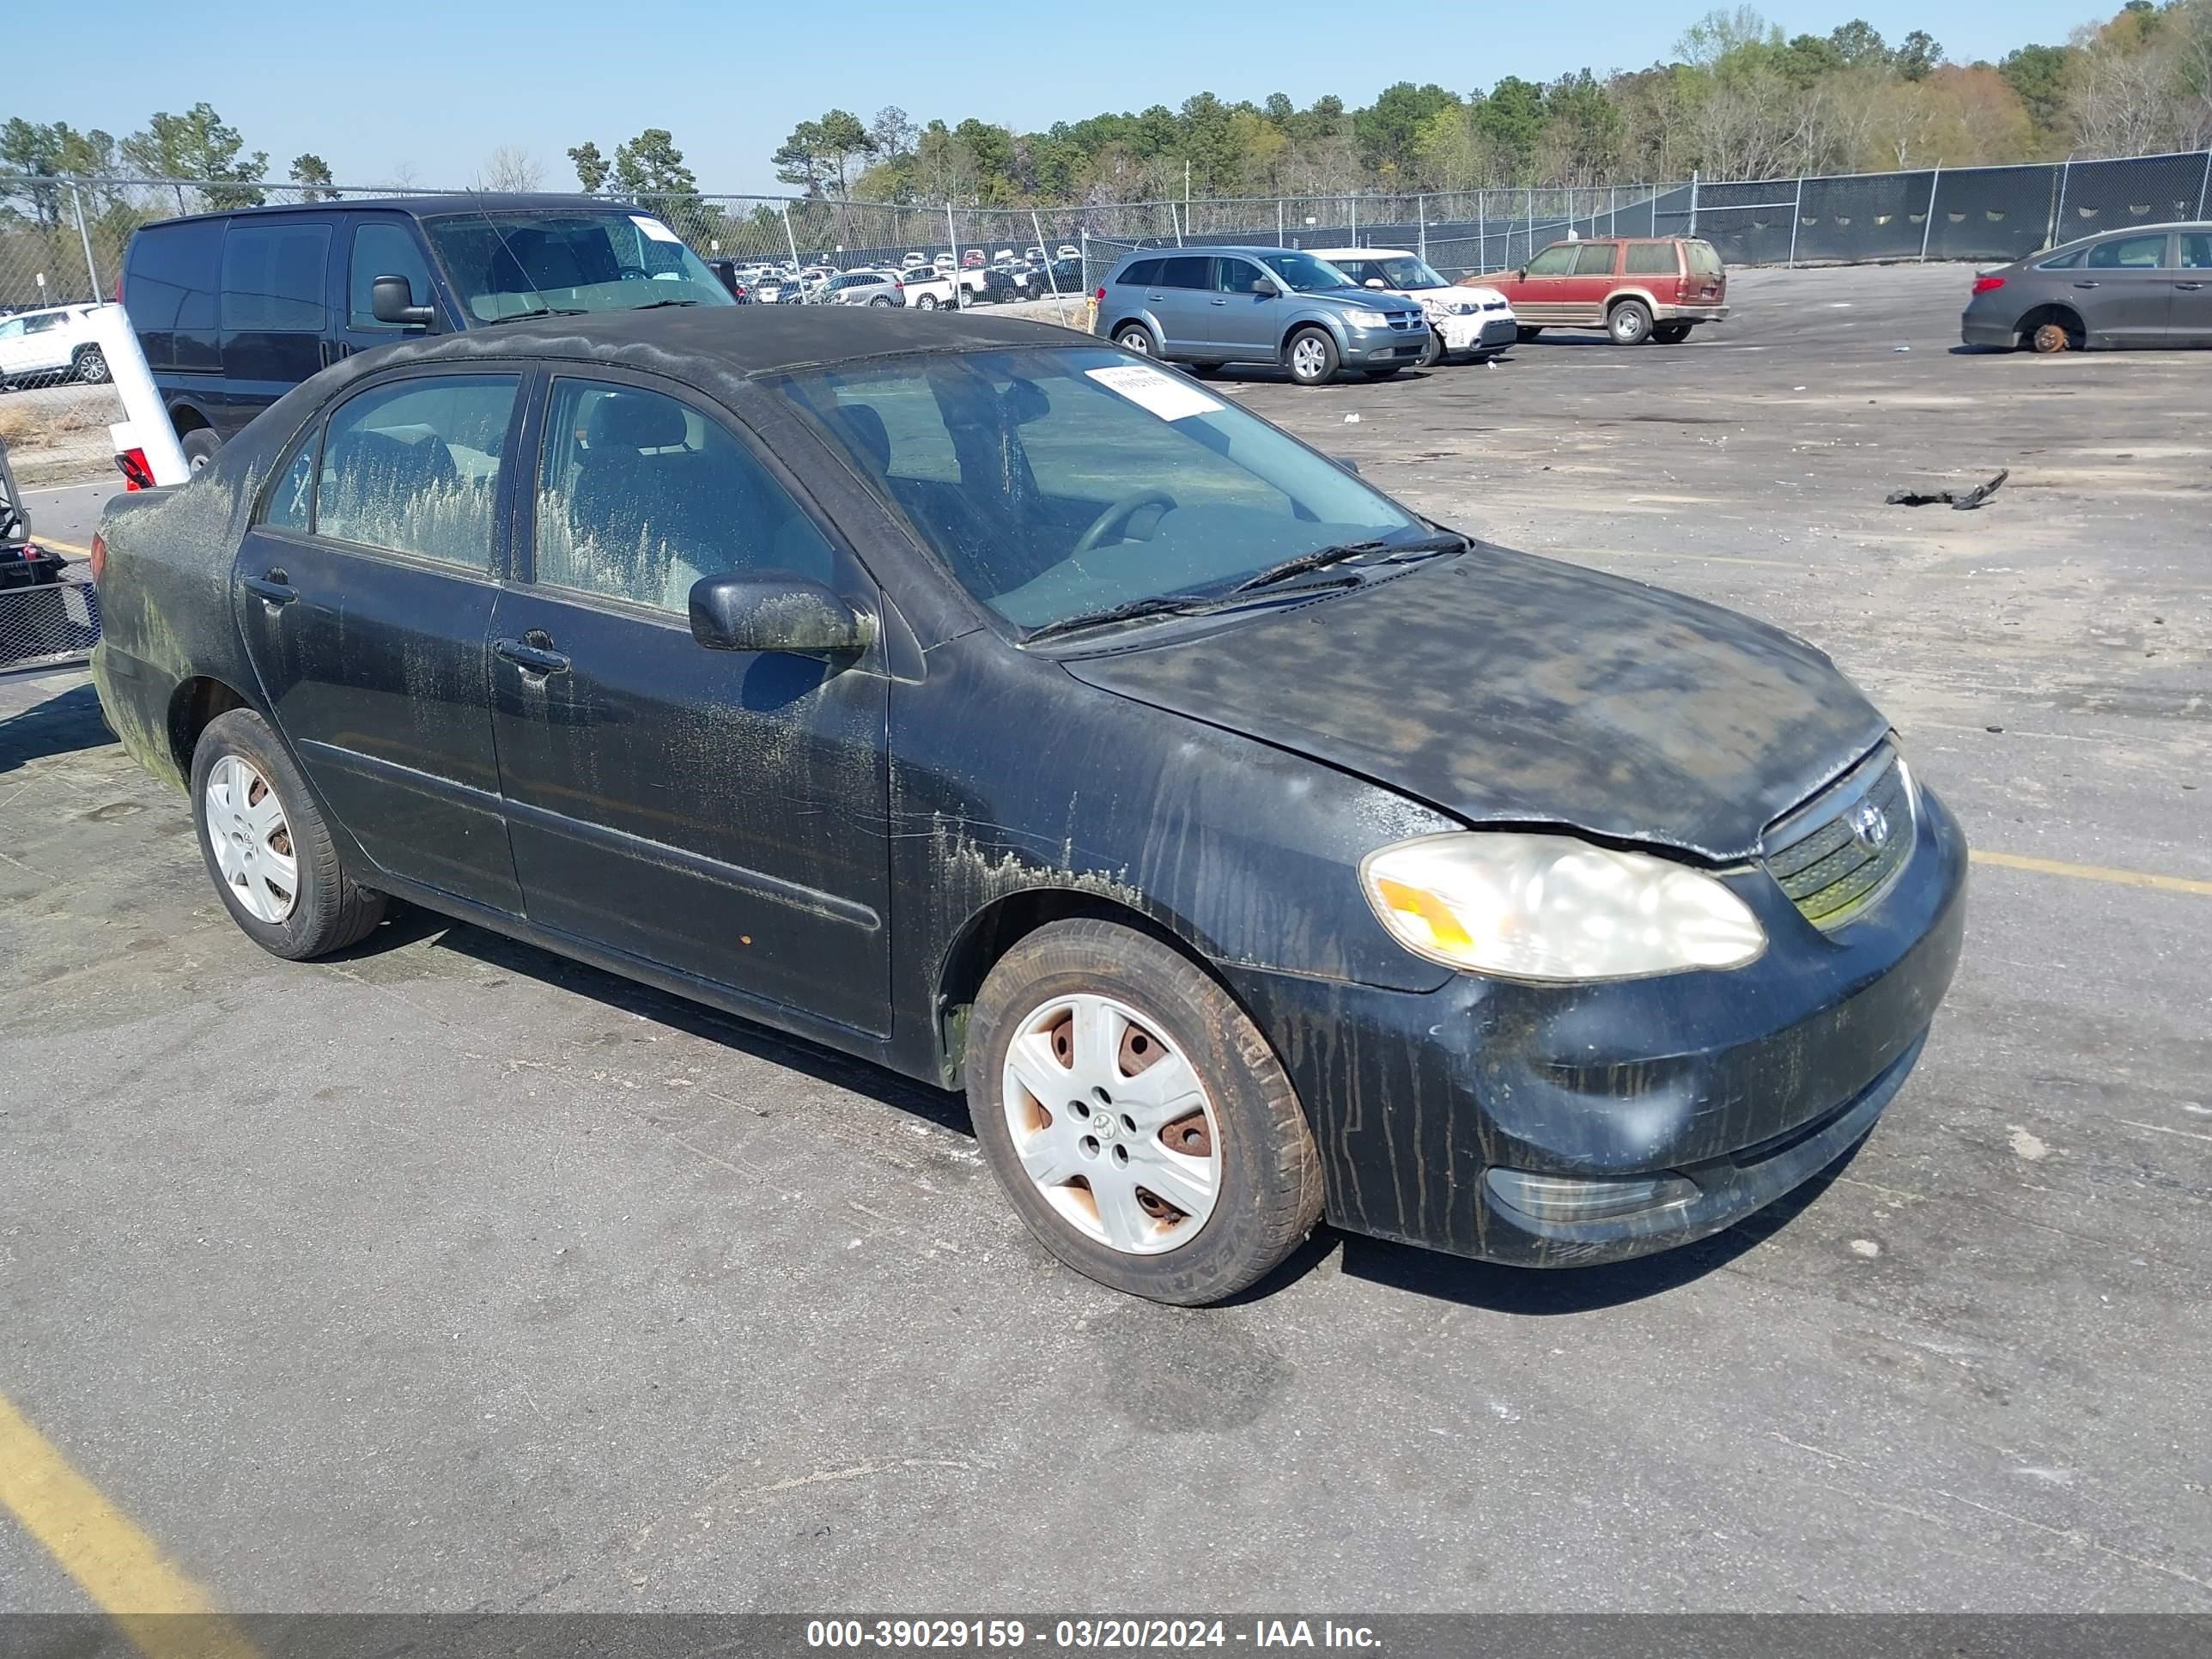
x,y
1466,898
1634,288
233,309
862,288
994,286
931,290
1068,250
913,262
1476,321
2148,286
1257,305
973,259
52,344
945,262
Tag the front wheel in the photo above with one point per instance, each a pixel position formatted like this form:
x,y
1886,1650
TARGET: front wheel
x,y
1311,357
1524,333
1433,353
267,848
1629,322
1671,333
1142,1128
92,366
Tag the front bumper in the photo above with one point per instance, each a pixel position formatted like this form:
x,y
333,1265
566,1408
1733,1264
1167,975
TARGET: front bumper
x,y
1372,347
1490,331
1745,1085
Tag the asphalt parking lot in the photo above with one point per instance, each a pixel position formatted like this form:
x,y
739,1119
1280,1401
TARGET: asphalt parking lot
x,y
451,1275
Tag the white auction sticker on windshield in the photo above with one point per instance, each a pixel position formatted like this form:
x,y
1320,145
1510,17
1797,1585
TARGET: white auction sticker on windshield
x,y
1165,396
654,228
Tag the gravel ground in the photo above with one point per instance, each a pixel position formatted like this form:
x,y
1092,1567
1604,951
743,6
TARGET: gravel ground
x,y
452,1275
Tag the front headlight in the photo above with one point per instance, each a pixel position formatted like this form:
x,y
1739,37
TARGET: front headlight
x,y
1555,908
1366,319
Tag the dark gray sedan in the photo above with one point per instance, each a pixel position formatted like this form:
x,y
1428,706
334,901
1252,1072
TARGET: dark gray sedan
x,y
2148,286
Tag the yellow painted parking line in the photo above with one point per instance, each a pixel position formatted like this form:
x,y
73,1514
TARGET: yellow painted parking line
x,y
2093,872
117,1565
63,547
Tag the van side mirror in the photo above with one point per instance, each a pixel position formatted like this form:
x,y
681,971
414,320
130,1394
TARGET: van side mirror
x,y
391,300
1265,288
776,611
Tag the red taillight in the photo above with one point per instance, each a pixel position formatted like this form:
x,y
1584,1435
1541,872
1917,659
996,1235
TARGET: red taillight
x,y
137,471
1986,285
1101,295
98,557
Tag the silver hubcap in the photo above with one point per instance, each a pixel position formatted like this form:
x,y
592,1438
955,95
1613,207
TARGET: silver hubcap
x,y
1625,326
251,842
1138,342
1307,357
1111,1124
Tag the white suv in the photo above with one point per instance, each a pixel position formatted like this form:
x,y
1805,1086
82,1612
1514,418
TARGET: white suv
x,y
54,345
1479,321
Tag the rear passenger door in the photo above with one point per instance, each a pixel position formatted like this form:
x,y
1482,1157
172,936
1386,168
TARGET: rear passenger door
x,y
1245,324
717,813
1584,293
364,592
274,310
1180,298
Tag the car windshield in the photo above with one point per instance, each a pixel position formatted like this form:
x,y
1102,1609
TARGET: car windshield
x,y
1400,270
516,264
1060,482
1304,273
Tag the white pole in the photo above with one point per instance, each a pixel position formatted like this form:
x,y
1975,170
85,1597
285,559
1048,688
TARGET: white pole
x,y
93,271
1278,221
1796,218
1050,275
2205,185
1928,223
790,241
1421,213
2058,212
1693,200
146,426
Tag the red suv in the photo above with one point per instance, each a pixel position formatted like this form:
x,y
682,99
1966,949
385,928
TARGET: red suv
x,y
1634,288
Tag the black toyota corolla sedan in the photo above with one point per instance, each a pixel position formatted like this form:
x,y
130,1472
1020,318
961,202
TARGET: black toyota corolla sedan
x,y
970,696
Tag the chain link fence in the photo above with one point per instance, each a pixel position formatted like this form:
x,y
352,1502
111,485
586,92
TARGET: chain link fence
x,y
62,242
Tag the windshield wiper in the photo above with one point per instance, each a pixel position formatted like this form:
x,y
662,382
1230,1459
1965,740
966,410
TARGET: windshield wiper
x,y
655,305
1160,604
1322,557
542,310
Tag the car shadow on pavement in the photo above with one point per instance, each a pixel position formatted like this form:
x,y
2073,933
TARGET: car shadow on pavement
x,y
1540,1292
63,724
411,924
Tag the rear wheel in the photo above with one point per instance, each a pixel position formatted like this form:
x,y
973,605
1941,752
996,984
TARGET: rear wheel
x,y
1207,371
881,299
1629,322
1141,1125
1671,333
928,302
91,366
1134,337
199,445
267,848
1311,356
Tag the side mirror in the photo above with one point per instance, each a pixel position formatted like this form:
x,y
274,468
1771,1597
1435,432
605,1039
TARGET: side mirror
x,y
1373,282
1347,463
775,611
1521,274
1264,289
391,300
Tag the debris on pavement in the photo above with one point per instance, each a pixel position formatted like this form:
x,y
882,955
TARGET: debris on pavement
x,y
1959,501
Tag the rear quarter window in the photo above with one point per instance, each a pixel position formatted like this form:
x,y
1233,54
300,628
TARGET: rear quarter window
x,y
1703,258
170,277
1651,259
1143,274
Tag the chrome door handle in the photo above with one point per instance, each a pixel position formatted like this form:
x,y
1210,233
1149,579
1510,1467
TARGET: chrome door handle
x,y
2085,284
2188,287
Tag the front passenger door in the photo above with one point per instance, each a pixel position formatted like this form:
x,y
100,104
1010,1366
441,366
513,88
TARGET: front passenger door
x,y
717,812
1541,296
2124,288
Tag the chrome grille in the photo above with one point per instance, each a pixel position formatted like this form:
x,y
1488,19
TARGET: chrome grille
x,y
1404,318
1837,855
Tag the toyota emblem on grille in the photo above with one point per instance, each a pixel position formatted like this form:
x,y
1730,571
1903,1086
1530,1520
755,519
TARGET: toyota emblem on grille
x,y
1869,827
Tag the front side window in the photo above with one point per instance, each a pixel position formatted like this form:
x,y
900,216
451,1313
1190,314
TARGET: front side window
x,y
1053,483
1651,259
640,495
413,467
1235,275
384,247
1558,260
2129,253
273,277
1305,273
524,264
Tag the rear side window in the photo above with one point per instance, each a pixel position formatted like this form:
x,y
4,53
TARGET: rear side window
x,y
1703,258
2066,261
1595,260
1557,260
1651,259
384,247
413,467
273,278
170,287
1187,270
641,496
291,504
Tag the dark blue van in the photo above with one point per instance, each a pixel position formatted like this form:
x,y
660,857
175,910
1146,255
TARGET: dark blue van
x,y
235,309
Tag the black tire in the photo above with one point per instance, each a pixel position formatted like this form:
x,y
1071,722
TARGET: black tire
x,y
330,910
882,300
200,445
1629,322
1207,371
1670,333
1269,1196
1135,336
1524,333
1319,366
1431,354
91,367
1381,374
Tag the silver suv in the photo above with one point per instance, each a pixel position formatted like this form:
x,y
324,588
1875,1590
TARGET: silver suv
x,y
863,288
1258,304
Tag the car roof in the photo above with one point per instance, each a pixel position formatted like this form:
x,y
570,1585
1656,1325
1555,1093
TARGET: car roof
x,y
47,310
424,207
1360,252
736,339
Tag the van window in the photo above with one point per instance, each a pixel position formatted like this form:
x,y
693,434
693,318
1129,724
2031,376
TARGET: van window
x,y
273,275
170,286
385,247
1651,259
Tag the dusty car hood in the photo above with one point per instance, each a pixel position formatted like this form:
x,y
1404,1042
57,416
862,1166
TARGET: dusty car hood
x,y
1504,688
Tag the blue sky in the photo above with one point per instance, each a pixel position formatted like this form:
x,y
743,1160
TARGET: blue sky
x,y
730,79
